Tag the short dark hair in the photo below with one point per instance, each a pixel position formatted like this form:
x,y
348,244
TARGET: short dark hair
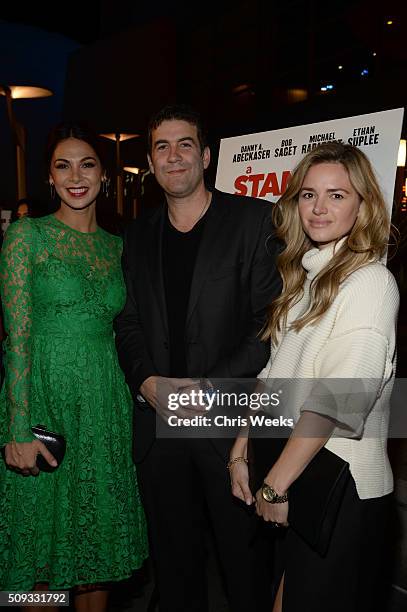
x,y
180,112
72,129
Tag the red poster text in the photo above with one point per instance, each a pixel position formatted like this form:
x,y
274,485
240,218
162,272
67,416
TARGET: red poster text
x,y
260,185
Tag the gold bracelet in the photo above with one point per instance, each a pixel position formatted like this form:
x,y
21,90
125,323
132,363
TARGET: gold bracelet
x,y
236,460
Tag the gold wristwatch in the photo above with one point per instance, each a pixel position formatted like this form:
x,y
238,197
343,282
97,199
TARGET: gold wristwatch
x,y
271,496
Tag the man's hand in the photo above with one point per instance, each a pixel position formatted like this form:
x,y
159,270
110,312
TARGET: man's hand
x,y
22,456
157,391
149,390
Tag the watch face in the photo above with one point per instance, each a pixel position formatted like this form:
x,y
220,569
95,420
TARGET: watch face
x,y
268,493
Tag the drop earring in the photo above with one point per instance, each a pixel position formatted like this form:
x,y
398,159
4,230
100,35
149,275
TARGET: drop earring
x,y
105,186
52,190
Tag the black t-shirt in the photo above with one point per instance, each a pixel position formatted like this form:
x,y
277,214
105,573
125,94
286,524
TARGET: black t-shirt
x,y
179,256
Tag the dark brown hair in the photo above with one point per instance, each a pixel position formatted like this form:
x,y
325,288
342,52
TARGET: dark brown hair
x,y
71,129
180,112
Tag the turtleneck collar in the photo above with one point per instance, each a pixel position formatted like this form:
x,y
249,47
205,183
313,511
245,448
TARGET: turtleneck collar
x,y
314,260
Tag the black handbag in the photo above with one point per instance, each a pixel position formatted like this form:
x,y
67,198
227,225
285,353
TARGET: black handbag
x,y
55,443
314,497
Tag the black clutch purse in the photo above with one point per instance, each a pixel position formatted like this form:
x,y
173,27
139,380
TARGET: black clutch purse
x,y
314,498
55,443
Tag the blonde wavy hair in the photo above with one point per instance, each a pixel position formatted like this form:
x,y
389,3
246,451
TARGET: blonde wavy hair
x,y
366,242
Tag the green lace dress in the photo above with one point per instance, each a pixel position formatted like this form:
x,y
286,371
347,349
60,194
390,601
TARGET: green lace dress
x,y
84,522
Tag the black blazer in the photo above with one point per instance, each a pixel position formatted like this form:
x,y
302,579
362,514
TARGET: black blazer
x,y
234,281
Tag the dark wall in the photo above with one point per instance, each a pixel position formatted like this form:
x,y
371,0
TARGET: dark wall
x,y
117,82
30,56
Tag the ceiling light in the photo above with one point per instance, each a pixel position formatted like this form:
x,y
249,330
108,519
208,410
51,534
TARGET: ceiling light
x,y
297,94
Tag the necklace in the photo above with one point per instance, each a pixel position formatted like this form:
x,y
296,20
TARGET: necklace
x,y
205,207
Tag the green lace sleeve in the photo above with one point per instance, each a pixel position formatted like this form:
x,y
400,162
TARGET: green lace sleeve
x,y
16,262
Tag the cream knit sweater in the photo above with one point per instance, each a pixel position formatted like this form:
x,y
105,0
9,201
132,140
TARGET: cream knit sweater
x,y
354,338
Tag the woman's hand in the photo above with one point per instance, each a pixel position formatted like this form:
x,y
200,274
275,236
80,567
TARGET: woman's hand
x,y
22,456
274,513
239,478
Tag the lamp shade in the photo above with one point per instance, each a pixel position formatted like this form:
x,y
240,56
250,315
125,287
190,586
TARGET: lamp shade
x,y
26,91
122,136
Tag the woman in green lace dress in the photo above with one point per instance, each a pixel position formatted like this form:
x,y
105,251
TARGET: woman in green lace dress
x,y
61,286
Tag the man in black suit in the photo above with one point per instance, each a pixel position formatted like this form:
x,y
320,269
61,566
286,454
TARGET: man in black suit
x,y
200,273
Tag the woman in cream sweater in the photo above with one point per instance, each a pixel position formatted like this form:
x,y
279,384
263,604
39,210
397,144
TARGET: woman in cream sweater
x,y
335,319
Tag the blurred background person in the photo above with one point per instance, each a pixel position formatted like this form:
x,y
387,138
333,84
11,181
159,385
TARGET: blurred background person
x,y
23,208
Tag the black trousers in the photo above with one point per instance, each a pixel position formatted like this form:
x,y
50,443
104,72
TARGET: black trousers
x,y
181,483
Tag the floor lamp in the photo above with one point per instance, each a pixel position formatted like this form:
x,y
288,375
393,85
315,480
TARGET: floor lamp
x,y
119,137
12,92
135,193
